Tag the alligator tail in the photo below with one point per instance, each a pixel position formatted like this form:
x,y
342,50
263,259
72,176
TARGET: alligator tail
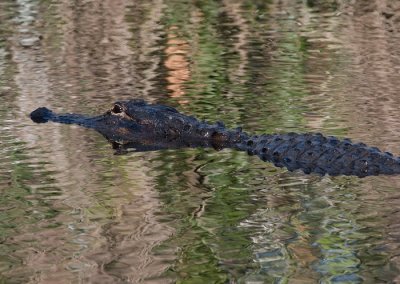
x,y
315,153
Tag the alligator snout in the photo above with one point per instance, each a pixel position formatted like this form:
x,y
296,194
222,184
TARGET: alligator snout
x,y
41,115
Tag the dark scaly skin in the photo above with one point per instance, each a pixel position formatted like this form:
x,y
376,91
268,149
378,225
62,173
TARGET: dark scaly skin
x,y
145,127
315,153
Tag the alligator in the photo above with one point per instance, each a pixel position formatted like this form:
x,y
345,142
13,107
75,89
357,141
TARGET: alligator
x,y
135,125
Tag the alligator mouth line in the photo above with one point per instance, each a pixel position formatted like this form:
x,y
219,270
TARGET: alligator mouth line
x,y
43,115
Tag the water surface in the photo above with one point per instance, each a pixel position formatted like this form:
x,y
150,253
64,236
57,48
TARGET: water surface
x,y
73,212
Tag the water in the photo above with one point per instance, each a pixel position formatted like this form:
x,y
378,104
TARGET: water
x,y
73,212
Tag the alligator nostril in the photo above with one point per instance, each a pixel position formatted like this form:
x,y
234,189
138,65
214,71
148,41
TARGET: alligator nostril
x,y
41,115
117,108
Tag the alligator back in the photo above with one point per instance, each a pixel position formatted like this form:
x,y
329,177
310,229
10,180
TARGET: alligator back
x,y
315,153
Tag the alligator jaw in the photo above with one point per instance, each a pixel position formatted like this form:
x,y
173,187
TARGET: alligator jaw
x,y
126,133
43,115
113,127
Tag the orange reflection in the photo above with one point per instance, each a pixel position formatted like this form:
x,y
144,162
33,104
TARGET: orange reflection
x,y
177,64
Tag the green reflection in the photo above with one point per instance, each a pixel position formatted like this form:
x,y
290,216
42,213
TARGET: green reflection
x,y
208,204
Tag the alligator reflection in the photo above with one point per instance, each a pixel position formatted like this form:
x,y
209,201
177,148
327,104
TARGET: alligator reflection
x,y
138,126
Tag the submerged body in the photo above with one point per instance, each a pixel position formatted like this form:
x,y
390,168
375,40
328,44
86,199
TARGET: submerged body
x,y
144,127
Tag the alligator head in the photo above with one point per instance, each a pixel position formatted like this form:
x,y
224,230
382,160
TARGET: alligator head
x,y
136,124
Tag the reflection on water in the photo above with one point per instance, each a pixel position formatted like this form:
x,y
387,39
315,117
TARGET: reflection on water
x,y
72,212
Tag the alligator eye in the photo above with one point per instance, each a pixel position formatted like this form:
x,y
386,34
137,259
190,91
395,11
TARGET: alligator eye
x,y
117,108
